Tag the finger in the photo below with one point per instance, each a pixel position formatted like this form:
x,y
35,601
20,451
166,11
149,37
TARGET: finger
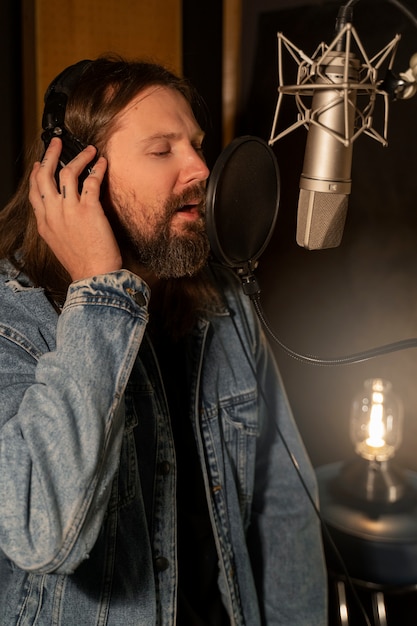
x,y
36,197
50,159
80,162
42,182
92,183
69,174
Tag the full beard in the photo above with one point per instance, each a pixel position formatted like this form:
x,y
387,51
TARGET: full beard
x,y
165,253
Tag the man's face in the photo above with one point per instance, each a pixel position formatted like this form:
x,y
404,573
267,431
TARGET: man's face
x,y
157,177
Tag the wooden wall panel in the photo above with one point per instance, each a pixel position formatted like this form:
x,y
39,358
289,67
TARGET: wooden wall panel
x,y
57,33
232,21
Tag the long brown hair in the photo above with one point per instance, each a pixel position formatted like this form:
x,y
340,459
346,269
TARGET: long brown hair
x,y
107,85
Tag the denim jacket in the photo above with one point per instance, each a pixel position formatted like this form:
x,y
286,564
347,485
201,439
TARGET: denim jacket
x,y
88,471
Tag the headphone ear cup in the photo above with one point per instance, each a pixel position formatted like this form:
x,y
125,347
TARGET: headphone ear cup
x,y
53,118
71,146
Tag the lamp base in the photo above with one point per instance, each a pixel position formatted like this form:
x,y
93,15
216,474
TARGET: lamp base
x,y
377,541
373,481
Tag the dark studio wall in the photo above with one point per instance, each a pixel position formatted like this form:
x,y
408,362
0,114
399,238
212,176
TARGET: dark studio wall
x,y
202,64
11,98
364,293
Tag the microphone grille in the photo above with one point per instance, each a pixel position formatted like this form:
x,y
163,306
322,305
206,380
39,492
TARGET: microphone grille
x,y
321,219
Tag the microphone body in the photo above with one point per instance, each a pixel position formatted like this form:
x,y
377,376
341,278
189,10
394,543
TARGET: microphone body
x,y
325,182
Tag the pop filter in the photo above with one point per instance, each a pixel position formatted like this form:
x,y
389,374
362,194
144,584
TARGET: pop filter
x,y
242,202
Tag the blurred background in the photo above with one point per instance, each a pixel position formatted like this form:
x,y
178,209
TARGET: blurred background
x,y
328,303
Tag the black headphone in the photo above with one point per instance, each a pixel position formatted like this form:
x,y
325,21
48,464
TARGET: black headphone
x,y
53,118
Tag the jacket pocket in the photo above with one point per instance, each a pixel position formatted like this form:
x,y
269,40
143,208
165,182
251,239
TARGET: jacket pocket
x,y
232,432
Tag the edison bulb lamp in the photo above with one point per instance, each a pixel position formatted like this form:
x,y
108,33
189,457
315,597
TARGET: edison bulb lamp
x,y
376,421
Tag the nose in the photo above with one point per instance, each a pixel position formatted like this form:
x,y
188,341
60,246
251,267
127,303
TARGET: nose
x,y
194,167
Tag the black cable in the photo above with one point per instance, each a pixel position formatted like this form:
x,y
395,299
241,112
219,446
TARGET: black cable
x,y
345,15
358,357
251,289
325,530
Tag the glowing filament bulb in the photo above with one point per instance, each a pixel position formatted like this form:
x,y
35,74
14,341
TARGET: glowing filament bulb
x,y
376,421
376,437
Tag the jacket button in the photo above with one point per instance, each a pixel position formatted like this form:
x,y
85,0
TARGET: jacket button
x,y
161,564
164,468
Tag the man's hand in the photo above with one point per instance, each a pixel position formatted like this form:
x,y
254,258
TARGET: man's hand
x,y
74,226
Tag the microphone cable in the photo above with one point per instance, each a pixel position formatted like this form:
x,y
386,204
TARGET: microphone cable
x,y
358,357
251,289
400,5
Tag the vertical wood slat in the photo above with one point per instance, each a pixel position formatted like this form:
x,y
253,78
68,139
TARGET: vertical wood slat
x,y
232,18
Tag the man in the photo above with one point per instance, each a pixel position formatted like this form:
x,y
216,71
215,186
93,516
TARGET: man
x,y
143,476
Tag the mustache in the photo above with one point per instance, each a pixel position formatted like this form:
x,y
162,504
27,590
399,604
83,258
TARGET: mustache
x,y
192,195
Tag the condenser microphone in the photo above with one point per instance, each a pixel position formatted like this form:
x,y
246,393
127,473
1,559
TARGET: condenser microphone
x,y
326,93
325,182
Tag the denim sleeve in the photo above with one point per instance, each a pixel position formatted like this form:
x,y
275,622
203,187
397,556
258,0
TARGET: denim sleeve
x,y
284,535
62,420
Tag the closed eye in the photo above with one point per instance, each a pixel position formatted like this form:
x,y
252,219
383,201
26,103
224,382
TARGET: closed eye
x,y
161,153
